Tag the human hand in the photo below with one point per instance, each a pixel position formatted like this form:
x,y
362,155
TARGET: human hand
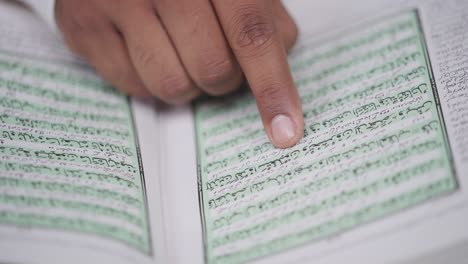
x,y
177,49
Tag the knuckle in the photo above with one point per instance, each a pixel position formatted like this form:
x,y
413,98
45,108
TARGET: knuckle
x,y
173,87
252,28
215,72
270,93
146,56
84,19
270,98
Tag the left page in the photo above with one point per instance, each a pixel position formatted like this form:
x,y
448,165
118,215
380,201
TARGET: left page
x,y
72,182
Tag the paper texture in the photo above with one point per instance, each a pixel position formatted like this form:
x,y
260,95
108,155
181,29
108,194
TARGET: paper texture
x,y
374,144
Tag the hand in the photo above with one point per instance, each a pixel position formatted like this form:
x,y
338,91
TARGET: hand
x,y
175,49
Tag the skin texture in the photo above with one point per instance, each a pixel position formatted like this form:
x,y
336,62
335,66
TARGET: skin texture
x,y
178,49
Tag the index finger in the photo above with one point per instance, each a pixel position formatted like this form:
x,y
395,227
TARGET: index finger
x,y
250,29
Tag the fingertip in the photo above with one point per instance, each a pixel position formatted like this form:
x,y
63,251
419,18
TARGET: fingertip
x,y
285,131
182,99
282,115
129,85
140,92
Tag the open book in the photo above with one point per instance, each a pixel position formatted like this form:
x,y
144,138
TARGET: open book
x,y
88,175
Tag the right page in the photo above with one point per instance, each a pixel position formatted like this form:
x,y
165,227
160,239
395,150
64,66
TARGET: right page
x,y
382,162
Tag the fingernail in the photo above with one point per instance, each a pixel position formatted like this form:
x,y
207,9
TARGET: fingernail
x,y
283,130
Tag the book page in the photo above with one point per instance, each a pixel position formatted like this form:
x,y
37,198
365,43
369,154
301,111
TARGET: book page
x,y
61,150
376,147
71,170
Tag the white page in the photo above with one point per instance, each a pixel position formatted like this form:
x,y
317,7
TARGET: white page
x,y
411,235
180,194
41,81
